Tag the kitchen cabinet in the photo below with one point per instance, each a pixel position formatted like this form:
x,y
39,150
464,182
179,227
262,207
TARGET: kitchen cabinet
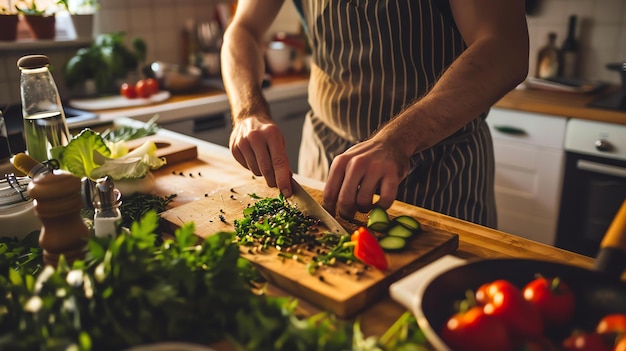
x,y
529,157
288,113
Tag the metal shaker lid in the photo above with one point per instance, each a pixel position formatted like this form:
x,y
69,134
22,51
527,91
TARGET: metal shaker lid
x,y
107,196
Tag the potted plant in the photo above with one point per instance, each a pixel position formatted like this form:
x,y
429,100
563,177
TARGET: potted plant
x,y
82,15
8,23
41,22
105,63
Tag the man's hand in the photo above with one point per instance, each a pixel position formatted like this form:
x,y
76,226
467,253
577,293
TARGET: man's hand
x,y
259,145
357,174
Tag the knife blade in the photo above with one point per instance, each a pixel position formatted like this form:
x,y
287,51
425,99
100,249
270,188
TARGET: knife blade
x,y
309,206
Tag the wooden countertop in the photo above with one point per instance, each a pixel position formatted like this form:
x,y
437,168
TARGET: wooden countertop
x,y
571,105
219,170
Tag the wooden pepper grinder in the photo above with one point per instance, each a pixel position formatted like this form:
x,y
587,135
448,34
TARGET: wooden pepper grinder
x,y
58,204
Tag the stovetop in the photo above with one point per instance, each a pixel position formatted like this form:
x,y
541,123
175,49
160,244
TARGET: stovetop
x,y
613,101
601,139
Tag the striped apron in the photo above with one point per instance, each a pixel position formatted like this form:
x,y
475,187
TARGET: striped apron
x,y
372,58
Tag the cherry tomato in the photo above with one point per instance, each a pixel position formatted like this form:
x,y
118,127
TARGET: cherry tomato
x,y
583,341
476,330
612,323
368,250
142,90
554,300
504,300
128,91
152,85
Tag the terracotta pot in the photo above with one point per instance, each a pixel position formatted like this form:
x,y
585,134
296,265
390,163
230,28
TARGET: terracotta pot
x,y
8,27
42,27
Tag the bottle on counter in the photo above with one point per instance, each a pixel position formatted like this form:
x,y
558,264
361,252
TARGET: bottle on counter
x,y
569,51
44,119
548,59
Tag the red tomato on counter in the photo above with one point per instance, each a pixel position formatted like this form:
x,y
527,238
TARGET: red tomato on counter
x,y
142,89
152,85
128,91
476,330
554,300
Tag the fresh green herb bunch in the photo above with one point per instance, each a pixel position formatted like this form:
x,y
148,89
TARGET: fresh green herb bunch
x,y
127,291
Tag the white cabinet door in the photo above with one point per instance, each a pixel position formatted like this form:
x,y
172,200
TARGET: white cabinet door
x,y
529,159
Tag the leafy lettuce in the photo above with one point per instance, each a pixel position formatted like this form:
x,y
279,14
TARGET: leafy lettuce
x,y
89,155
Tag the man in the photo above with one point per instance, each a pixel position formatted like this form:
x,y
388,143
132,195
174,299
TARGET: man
x,y
399,91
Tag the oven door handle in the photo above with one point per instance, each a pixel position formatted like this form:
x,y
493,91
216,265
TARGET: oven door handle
x,y
601,168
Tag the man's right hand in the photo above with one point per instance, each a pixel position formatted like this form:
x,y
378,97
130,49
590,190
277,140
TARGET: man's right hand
x,y
258,144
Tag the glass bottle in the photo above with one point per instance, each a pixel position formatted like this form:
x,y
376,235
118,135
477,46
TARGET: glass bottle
x,y
569,51
548,59
44,119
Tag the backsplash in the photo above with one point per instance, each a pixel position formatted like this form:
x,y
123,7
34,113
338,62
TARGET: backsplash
x,y
601,33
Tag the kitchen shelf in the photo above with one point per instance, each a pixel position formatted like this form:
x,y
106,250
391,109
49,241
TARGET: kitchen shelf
x,y
29,44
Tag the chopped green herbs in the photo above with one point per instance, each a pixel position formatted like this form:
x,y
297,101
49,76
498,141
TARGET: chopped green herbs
x,y
274,222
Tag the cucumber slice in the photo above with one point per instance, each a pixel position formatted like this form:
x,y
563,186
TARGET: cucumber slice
x,y
378,219
399,230
392,243
408,222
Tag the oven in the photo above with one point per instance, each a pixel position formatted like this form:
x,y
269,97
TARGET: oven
x,y
594,183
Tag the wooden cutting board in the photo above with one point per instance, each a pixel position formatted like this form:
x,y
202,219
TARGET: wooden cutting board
x,y
338,288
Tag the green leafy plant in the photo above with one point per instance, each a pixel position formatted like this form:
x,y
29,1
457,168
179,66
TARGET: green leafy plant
x,y
129,291
32,9
106,61
85,6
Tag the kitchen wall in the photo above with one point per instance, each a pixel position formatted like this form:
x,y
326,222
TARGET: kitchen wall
x,y
601,32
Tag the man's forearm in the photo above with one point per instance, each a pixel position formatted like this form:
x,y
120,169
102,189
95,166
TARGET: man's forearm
x,y
242,72
472,84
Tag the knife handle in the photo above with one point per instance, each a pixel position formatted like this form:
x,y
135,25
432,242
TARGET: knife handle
x,y
611,258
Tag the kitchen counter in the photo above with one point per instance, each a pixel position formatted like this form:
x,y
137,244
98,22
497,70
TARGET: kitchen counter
x,y
219,170
208,100
571,105
212,100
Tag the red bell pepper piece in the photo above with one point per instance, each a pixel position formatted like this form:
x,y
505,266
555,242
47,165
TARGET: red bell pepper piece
x,y
368,250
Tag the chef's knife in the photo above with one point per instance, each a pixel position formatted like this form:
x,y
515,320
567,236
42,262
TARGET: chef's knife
x,y
307,204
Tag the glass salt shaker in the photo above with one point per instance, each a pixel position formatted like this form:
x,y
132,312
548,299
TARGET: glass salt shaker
x,y
107,220
44,119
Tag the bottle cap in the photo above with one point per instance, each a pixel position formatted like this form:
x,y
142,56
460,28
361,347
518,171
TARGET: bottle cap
x,y
33,61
